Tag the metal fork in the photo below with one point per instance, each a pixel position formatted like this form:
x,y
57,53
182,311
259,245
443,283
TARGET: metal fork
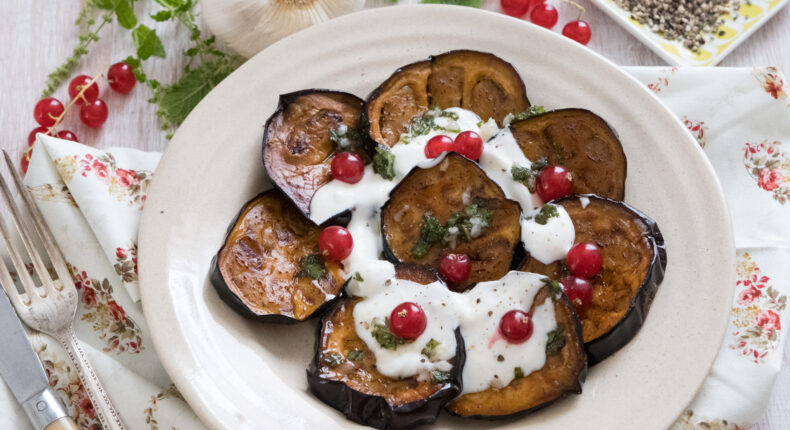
x,y
49,308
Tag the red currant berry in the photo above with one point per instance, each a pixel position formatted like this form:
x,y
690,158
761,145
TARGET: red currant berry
x,y
516,326
579,292
31,138
535,3
67,135
408,321
578,31
553,182
121,78
24,163
455,268
469,144
544,15
438,144
94,114
47,111
335,243
77,84
348,167
516,8
585,260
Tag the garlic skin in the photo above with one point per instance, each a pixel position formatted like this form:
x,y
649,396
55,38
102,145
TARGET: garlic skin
x,y
248,26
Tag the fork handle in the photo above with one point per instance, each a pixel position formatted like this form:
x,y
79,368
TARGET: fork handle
x,y
105,411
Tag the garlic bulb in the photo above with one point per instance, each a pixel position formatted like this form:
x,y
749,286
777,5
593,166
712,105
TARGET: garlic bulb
x,y
247,26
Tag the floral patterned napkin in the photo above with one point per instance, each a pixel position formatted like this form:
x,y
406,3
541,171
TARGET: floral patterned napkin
x,y
92,201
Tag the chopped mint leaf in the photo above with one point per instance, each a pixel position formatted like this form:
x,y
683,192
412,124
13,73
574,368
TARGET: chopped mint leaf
x,y
345,137
431,232
439,376
556,340
546,212
429,347
518,373
520,174
556,289
384,163
529,113
355,355
527,175
358,277
334,359
447,114
381,332
312,266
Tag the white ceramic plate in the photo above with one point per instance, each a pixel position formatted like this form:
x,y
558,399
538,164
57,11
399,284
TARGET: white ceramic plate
x,y
238,374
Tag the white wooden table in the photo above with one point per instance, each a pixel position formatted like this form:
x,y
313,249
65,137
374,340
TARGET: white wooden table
x,y
37,35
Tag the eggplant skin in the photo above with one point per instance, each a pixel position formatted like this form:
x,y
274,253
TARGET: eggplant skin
x,y
507,402
605,336
581,141
230,295
473,80
297,150
373,410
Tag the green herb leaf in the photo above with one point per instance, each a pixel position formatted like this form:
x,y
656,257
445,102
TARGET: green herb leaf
x,y
355,355
147,43
381,332
529,113
124,12
520,174
546,212
431,232
429,347
312,266
518,373
554,286
439,376
162,15
384,163
447,114
351,139
527,175
556,340
358,277
334,359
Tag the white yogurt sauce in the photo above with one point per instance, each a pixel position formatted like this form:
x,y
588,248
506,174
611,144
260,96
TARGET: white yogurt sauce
x,y
551,241
446,310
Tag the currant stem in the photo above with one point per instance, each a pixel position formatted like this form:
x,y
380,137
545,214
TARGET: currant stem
x,y
578,6
80,95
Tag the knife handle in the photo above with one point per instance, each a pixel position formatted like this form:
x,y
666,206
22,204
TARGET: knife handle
x,y
65,423
44,409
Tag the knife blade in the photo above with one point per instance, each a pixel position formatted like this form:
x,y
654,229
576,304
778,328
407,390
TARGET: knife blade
x,y
22,370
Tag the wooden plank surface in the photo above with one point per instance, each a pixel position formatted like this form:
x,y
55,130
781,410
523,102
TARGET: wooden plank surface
x,y
37,35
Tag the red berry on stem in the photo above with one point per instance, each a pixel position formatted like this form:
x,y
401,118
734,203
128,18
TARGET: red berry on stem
x,y
585,260
24,163
335,243
578,30
455,268
535,3
553,182
67,135
121,78
47,111
516,8
94,114
516,326
438,144
31,138
469,144
544,15
348,167
408,321
77,84
579,292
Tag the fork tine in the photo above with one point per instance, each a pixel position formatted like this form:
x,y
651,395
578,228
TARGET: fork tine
x,y
25,234
51,247
19,265
10,289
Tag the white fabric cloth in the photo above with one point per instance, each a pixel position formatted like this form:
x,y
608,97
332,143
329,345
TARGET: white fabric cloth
x,y
92,200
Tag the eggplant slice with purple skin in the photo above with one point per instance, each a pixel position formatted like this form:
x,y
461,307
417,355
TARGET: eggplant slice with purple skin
x,y
634,261
443,191
582,142
563,373
478,81
301,137
343,372
269,268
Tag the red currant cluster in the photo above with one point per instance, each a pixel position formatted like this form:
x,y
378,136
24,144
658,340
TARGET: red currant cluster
x,y
83,90
545,15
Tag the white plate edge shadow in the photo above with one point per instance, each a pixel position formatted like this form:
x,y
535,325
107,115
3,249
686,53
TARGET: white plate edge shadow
x,y
153,306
